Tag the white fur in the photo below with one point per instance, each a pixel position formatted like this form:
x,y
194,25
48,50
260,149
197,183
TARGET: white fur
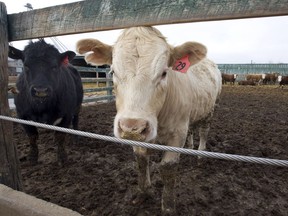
x,y
167,104
138,61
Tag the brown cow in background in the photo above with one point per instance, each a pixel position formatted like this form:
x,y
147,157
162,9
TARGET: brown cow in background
x,y
228,78
247,82
257,78
270,78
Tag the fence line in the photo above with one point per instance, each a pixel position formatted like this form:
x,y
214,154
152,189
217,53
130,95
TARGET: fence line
x,y
110,95
107,80
258,160
281,68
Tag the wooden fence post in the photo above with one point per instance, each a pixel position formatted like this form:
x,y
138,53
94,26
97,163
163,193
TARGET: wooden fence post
x,y
9,163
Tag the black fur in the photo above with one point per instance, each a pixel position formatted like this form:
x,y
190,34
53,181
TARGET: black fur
x,y
49,89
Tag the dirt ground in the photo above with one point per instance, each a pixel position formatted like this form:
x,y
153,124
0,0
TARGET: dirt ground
x,y
100,177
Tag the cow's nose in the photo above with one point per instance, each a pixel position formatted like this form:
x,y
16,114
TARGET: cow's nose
x,y
133,129
38,91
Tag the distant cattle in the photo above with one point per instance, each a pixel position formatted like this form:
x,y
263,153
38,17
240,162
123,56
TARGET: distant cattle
x,y
257,78
160,91
283,80
270,78
247,82
228,78
49,90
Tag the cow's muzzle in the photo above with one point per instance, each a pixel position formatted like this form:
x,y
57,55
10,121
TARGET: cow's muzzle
x,y
39,91
133,129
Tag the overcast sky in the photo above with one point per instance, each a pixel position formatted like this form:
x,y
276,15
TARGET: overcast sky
x,y
257,40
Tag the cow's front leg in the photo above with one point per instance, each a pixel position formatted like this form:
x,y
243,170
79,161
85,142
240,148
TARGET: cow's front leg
x,y
168,171
144,183
168,174
59,140
204,128
75,123
33,154
203,133
190,141
32,133
190,137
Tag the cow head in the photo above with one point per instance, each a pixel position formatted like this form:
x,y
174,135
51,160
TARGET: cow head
x,y
141,62
42,63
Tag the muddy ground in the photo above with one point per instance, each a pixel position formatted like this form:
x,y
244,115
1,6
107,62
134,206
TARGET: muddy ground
x,y
100,177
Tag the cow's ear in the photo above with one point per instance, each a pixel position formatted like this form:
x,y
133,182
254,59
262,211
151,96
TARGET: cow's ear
x,y
189,51
67,57
15,53
98,53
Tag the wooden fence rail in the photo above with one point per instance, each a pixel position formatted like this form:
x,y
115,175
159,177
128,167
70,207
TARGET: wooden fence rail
x,y
90,16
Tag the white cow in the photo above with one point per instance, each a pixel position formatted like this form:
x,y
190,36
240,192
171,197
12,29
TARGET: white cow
x,y
154,101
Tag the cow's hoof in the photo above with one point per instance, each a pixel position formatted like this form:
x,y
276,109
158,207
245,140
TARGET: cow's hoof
x,y
62,163
33,157
23,158
62,159
33,161
168,212
139,198
168,205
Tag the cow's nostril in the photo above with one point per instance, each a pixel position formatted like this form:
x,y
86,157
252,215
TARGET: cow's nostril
x,y
145,130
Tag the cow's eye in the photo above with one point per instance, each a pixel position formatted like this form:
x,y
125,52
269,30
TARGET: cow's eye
x,y
163,75
113,74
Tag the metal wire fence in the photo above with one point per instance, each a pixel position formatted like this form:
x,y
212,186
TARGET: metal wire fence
x,y
258,160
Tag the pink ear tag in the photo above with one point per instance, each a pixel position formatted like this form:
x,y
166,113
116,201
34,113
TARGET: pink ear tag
x,y
182,64
65,61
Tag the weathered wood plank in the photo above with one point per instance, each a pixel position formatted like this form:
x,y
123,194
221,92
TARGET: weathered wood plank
x,y
89,16
9,163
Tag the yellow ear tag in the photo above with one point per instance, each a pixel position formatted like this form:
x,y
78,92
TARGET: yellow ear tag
x,y
182,64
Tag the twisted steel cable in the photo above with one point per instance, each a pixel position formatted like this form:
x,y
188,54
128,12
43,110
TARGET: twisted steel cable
x,y
216,155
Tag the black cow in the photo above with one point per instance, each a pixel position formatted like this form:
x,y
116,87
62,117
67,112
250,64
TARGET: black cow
x,y
49,91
